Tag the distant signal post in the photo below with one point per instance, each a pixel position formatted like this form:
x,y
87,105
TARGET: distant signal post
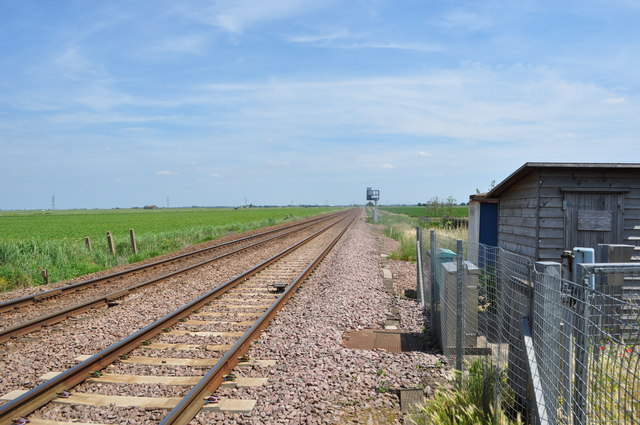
x,y
373,195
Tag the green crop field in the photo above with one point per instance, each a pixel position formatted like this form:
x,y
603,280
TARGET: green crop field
x,y
461,211
54,240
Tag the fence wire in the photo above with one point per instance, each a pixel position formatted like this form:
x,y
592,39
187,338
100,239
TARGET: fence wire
x,y
569,351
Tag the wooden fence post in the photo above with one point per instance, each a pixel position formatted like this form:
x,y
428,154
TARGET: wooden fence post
x,y
134,247
45,275
112,247
87,241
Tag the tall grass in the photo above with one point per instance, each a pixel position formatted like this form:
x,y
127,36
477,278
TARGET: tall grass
x,y
403,229
481,398
21,261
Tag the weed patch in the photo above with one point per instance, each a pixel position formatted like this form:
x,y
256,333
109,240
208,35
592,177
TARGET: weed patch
x,y
481,398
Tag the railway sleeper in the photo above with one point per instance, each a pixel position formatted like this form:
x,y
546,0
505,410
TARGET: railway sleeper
x,y
227,405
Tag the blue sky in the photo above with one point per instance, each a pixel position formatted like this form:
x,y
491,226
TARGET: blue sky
x,y
123,103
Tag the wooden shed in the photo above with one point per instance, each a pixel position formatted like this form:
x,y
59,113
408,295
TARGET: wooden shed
x,y
545,208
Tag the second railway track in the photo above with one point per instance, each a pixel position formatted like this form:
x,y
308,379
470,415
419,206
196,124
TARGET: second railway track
x,y
28,314
197,347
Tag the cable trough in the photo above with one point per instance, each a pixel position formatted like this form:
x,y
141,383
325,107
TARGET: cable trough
x,y
192,351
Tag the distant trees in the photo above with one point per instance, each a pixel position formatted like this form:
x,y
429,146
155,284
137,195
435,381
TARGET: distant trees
x,y
437,207
491,186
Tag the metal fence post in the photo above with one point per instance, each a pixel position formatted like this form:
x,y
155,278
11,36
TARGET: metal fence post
x,y
420,269
432,277
459,304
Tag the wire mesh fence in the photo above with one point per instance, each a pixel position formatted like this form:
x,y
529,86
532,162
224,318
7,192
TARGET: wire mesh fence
x,y
570,351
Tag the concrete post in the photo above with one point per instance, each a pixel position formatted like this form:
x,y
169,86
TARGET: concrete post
x,y
611,285
87,242
560,366
449,296
419,268
546,333
459,304
432,279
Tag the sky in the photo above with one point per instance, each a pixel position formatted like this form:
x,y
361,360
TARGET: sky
x,y
128,103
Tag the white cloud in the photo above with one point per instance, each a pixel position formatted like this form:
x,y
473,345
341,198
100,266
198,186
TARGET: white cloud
x,y
379,166
166,173
465,21
567,136
214,175
343,33
421,47
189,44
101,97
276,163
235,16
527,105
339,40
615,101
74,64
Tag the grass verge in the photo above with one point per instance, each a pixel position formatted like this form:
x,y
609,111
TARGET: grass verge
x,y
21,260
402,228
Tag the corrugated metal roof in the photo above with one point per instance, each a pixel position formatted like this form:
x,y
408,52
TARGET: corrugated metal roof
x,y
530,166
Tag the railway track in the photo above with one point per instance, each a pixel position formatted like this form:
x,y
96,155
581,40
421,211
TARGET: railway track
x,y
27,314
176,363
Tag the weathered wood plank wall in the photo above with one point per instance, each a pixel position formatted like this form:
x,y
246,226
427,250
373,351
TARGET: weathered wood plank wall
x,y
518,217
531,214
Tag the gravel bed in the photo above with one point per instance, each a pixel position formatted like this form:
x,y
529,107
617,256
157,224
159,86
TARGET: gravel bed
x,y
134,390
87,413
179,354
192,339
26,358
217,327
10,318
156,370
316,380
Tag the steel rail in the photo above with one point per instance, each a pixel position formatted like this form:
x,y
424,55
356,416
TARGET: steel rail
x,y
47,391
60,315
34,298
192,403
